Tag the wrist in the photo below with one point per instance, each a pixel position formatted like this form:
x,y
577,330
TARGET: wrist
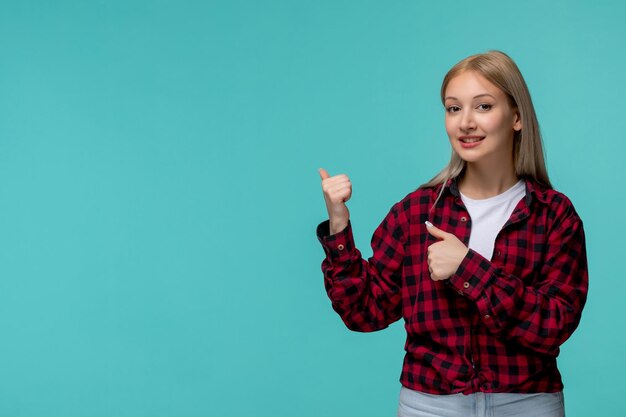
x,y
337,225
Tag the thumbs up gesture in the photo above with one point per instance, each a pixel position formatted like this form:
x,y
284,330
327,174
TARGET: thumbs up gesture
x,y
337,190
444,256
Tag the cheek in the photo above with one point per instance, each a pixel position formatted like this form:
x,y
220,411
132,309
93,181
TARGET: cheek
x,y
449,127
494,123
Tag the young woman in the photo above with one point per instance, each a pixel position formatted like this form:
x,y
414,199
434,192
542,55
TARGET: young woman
x,y
485,263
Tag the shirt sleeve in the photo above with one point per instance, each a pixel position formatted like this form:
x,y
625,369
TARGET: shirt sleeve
x,y
541,316
366,294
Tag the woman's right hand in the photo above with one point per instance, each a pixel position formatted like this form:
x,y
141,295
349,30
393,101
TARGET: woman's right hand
x,y
337,191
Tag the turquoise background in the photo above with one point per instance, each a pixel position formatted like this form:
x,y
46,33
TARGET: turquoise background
x,y
159,192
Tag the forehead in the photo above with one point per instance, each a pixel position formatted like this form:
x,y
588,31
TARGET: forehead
x,y
469,84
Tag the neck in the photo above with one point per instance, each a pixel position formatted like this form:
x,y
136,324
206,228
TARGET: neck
x,y
481,182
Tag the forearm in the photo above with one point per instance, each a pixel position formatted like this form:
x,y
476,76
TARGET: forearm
x,y
336,225
364,301
540,317
366,293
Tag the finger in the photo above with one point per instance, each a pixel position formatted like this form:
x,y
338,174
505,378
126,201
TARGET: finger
x,y
340,197
335,181
337,178
435,231
338,187
331,188
323,173
432,274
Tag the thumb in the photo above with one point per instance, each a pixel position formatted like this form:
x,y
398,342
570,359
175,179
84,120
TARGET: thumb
x,y
323,173
435,231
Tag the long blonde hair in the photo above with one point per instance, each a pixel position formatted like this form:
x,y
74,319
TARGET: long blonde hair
x,y
499,69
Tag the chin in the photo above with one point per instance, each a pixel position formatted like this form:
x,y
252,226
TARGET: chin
x,y
468,156
470,159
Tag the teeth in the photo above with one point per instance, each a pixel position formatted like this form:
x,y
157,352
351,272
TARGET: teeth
x,y
470,140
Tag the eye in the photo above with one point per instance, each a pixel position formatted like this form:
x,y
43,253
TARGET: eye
x,y
453,109
484,107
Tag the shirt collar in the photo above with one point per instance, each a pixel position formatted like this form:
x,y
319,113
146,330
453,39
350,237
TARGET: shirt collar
x,y
534,190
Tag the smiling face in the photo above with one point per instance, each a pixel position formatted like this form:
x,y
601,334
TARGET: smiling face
x,y
480,120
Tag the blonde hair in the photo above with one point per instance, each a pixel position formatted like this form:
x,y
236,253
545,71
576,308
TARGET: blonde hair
x,y
499,69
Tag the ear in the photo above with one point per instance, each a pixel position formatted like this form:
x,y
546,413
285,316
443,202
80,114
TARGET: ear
x,y
517,121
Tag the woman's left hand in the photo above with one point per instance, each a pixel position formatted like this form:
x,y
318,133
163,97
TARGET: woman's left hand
x,y
445,256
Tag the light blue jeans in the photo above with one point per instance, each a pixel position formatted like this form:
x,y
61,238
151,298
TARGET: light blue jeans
x,y
479,404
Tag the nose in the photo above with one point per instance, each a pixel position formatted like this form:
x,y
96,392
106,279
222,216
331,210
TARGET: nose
x,y
467,121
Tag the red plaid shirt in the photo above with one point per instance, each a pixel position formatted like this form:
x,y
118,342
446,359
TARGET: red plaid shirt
x,y
494,326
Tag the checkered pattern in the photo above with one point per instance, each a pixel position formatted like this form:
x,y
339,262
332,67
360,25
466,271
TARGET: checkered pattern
x,y
494,326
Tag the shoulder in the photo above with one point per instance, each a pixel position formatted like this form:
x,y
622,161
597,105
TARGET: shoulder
x,y
417,200
415,207
559,206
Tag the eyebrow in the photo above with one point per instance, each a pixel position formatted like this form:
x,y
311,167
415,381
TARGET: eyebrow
x,y
475,97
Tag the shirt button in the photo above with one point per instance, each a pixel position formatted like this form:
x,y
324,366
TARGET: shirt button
x,y
463,219
487,316
466,285
340,247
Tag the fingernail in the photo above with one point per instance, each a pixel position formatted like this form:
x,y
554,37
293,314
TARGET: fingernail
x,y
428,224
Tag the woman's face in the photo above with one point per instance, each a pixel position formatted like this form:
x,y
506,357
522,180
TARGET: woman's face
x,y
480,121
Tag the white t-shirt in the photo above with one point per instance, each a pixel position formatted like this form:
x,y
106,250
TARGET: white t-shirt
x,y
489,215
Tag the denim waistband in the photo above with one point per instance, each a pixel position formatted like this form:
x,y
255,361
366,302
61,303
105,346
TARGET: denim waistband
x,y
418,404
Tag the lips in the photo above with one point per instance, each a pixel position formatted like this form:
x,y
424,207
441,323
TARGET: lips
x,y
471,139
468,142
